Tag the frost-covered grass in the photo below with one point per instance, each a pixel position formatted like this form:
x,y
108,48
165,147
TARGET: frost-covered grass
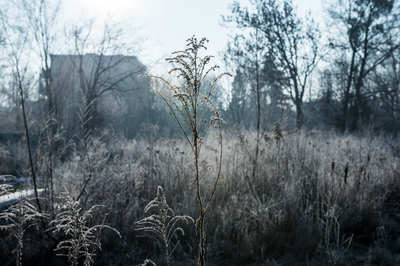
x,y
316,198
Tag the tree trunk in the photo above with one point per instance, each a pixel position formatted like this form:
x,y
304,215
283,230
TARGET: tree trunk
x,y
347,94
357,101
299,114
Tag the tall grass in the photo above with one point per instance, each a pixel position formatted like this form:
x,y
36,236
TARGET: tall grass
x,y
298,209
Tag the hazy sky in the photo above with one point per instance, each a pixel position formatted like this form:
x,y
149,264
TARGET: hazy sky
x,y
166,24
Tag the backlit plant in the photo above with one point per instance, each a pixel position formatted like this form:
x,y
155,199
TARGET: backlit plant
x,y
188,103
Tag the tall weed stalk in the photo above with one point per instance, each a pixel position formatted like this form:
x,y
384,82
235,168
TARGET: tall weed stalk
x,y
188,104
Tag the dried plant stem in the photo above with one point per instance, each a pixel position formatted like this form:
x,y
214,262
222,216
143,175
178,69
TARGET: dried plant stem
x,y
162,226
84,117
83,240
18,218
19,79
184,104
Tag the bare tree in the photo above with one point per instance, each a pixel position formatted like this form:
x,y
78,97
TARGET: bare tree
x,y
385,88
103,64
367,32
293,41
42,23
17,50
243,54
42,18
255,85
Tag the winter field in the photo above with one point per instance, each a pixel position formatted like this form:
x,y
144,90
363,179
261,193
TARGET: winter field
x,y
312,198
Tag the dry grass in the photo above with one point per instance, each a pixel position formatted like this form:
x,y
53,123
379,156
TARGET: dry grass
x,y
300,208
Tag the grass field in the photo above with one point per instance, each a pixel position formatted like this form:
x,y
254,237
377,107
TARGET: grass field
x,y
314,199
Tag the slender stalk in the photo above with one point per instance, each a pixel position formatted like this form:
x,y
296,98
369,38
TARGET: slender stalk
x,y
185,103
27,137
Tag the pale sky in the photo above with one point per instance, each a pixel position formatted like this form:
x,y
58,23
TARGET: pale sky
x,y
166,24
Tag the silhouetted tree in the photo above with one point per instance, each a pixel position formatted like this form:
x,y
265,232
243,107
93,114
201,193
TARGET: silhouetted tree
x,y
238,110
42,19
385,87
104,67
257,85
367,31
294,42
